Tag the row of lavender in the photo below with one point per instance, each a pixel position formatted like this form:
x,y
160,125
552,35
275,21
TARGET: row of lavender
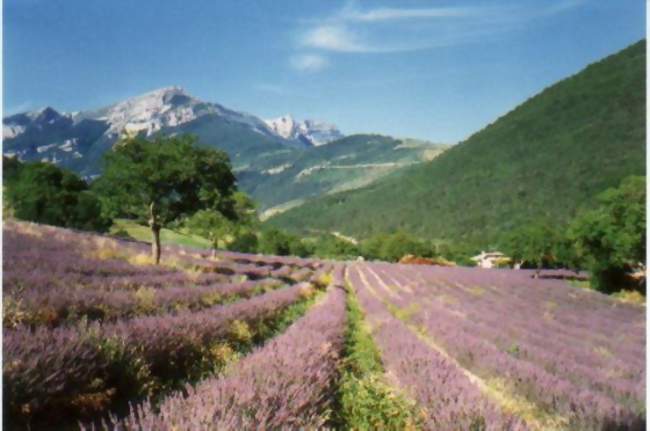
x,y
448,398
575,358
290,383
54,276
80,369
90,368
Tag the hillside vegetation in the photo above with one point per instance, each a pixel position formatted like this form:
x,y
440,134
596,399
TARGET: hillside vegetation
x,y
542,161
345,164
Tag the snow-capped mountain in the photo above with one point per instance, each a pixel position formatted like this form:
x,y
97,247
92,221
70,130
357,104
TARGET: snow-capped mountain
x,y
314,132
148,113
166,108
78,140
17,124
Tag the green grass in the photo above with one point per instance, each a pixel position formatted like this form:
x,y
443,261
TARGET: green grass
x,y
582,284
167,236
365,400
544,160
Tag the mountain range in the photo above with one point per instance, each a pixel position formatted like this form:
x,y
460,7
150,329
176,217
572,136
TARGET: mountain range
x,y
281,162
543,161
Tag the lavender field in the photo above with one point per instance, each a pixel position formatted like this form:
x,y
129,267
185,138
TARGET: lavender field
x,y
96,337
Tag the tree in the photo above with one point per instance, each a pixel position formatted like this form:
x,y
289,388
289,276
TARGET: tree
x,y
276,242
330,247
532,244
228,233
245,209
211,225
44,193
245,241
392,247
164,179
11,168
611,239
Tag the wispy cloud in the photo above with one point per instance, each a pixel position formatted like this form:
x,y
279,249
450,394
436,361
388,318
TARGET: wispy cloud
x,y
308,62
332,38
390,29
387,14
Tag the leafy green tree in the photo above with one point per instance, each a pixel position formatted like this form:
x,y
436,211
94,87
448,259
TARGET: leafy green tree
x,y
244,241
297,247
211,225
245,209
44,193
165,179
331,247
280,243
565,254
371,247
611,239
532,244
236,234
392,247
11,168
276,242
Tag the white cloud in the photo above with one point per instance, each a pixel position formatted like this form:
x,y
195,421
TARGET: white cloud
x,y
308,62
332,38
387,14
389,29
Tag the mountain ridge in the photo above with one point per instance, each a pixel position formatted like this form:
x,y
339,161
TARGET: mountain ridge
x,y
258,153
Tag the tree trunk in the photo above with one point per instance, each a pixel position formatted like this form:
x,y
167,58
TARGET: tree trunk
x,y
155,230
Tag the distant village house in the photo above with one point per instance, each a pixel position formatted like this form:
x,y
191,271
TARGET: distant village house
x,y
492,259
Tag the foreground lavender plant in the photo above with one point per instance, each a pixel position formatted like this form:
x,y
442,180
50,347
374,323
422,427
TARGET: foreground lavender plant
x,y
447,397
287,384
576,355
44,367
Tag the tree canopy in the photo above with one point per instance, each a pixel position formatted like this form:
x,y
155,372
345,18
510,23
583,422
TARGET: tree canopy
x,y
533,244
44,193
164,179
611,239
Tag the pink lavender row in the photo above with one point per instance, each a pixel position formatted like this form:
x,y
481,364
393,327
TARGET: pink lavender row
x,y
488,303
571,343
571,314
566,356
59,259
584,394
56,306
64,254
269,260
447,397
287,384
44,366
62,265
208,257
572,299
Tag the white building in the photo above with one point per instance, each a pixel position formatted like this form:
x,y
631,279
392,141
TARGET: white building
x,y
488,259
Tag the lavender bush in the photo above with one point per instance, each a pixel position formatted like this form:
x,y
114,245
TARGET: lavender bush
x,y
287,384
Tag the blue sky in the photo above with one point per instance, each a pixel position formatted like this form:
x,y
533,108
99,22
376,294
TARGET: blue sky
x,y
437,70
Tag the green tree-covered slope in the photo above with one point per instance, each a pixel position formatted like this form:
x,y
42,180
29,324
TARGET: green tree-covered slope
x,y
544,160
348,163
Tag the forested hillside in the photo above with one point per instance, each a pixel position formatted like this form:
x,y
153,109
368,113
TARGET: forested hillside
x,y
544,160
